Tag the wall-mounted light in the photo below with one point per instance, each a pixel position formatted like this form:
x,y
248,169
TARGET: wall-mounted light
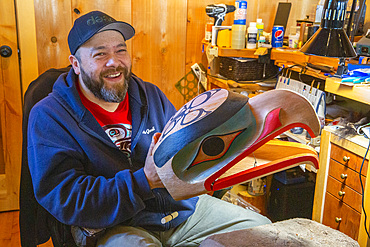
x,y
330,40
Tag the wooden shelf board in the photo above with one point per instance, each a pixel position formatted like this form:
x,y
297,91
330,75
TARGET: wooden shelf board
x,y
360,93
280,54
228,52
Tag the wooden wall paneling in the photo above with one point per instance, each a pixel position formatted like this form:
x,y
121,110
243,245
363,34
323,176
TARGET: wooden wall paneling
x,y
266,9
160,43
10,109
300,9
168,32
253,8
27,41
53,22
195,30
118,9
158,48
2,163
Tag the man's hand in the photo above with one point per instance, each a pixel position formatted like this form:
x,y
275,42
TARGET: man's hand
x,y
149,167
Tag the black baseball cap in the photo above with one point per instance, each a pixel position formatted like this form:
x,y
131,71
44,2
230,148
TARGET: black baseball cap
x,y
93,22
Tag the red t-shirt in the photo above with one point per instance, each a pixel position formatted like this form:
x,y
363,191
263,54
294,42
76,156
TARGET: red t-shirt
x,y
117,125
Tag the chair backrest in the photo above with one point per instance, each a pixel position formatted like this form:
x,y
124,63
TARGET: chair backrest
x,y
32,217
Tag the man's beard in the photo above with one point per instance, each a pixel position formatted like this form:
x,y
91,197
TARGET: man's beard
x,y
115,93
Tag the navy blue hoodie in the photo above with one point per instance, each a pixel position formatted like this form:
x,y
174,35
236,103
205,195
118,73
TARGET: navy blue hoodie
x,y
81,178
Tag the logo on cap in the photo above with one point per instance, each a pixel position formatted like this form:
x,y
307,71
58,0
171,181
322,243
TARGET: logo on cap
x,y
97,19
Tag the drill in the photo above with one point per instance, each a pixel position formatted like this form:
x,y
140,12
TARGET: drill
x,y
218,11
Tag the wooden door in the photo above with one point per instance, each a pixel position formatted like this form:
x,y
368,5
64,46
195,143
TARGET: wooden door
x,y
10,109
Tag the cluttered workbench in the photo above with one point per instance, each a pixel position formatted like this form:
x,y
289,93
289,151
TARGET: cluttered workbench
x,y
321,71
292,64
330,208
284,58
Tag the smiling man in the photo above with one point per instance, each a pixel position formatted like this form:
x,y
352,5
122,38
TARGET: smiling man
x,y
105,68
90,153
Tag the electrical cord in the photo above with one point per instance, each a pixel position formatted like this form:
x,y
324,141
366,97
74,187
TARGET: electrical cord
x,y
362,190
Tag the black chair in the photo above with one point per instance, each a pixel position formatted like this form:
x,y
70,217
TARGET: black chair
x,y
36,224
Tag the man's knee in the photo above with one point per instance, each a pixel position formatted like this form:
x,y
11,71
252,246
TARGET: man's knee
x,y
227,214
128,236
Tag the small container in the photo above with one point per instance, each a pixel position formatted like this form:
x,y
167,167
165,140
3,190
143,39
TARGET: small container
x,y
293,41
224,38
257,187
252,36
240,14
277,36
238,36
260,26
261,41
208,33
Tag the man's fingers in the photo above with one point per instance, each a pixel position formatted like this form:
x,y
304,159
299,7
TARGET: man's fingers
x,y
156,137
149,167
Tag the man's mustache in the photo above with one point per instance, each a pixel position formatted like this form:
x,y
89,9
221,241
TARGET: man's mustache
x,y
119,69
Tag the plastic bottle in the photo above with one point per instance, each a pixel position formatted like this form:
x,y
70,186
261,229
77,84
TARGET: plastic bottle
x,y
238,29
293,40
238,36
240,14
252,36
293,37
261,41
208,31
260,27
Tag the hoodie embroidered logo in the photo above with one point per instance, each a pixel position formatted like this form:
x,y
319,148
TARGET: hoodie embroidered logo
x,y
148,131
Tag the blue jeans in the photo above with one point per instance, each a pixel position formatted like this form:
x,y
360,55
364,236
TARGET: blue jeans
x,y
211,216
